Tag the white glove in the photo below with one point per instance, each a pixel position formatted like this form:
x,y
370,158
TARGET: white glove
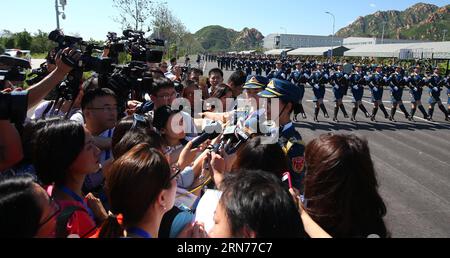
x,y
395,88
355,87
415,89
316,86
436,89
375,89
336,87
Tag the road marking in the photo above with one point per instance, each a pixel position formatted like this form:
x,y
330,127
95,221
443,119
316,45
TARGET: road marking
x,y
368,102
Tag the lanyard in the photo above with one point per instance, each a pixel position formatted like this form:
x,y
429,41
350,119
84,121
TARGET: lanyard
x,y
139,232
77,198
108,152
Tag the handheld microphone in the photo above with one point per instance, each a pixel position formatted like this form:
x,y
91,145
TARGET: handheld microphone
x,y
211,132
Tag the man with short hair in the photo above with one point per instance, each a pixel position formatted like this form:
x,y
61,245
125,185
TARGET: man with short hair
x,y
215,78
163,94
236,83
195,75
100,110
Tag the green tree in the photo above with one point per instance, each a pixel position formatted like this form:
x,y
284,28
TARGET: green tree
x,y
10,42
41,43
2,49
23,40
133,13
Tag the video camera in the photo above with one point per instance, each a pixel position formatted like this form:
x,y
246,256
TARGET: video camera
x,y
38,74
87,62
12,69
69,88
133,78
134,43
13,106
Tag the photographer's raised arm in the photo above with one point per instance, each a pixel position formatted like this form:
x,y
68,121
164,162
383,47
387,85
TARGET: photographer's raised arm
x,y
37,92
10,145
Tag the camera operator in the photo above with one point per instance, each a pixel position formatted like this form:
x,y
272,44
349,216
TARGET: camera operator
x,y
10,144
37,92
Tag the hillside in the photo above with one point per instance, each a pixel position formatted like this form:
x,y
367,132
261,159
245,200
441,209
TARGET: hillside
x,y
217,38
420,22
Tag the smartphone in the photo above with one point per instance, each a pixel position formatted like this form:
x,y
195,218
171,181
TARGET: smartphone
x,y
287,181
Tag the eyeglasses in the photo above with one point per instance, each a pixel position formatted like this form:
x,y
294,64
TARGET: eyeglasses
x,y
56,208
177,173
105,109
138,120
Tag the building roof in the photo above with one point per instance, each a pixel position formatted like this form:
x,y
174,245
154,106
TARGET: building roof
x,y
436,50
277,51
311,51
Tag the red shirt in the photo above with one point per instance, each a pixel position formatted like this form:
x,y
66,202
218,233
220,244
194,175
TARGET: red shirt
x,y
80,223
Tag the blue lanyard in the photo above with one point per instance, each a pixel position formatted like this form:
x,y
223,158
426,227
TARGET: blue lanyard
x,y
77,198
138,232
108,152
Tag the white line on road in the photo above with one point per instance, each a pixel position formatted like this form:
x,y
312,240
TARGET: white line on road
x,y
365,101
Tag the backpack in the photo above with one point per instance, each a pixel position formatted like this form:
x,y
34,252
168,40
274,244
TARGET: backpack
x,y
63,219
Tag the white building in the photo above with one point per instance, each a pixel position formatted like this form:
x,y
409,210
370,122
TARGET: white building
x,y
292,41
354,42
429,50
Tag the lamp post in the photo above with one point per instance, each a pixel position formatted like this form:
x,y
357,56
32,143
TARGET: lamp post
x,y
382,35
62,4
332,36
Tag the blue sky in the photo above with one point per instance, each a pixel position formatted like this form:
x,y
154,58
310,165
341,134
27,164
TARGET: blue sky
x,y
93,18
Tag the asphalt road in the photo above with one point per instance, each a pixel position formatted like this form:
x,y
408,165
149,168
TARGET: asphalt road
x,y
412,161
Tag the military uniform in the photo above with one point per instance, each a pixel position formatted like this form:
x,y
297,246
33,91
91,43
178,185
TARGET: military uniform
x,y
397,84
415,83
435,85
277,74
357,80
300,78
447,84
339,81
376,84
289,137
317,80
258,69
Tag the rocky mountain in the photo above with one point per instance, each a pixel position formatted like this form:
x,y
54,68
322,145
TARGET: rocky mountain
x,y
217,38
420,22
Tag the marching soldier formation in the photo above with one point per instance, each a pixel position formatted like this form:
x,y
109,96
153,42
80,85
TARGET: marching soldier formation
x,y
377,79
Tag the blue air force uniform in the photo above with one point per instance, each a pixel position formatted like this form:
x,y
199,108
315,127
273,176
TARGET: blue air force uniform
x,y
299,78
357,82
435,88
376,85
416,83
447,84
289,137
397,83
277,74
339,81
318,80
